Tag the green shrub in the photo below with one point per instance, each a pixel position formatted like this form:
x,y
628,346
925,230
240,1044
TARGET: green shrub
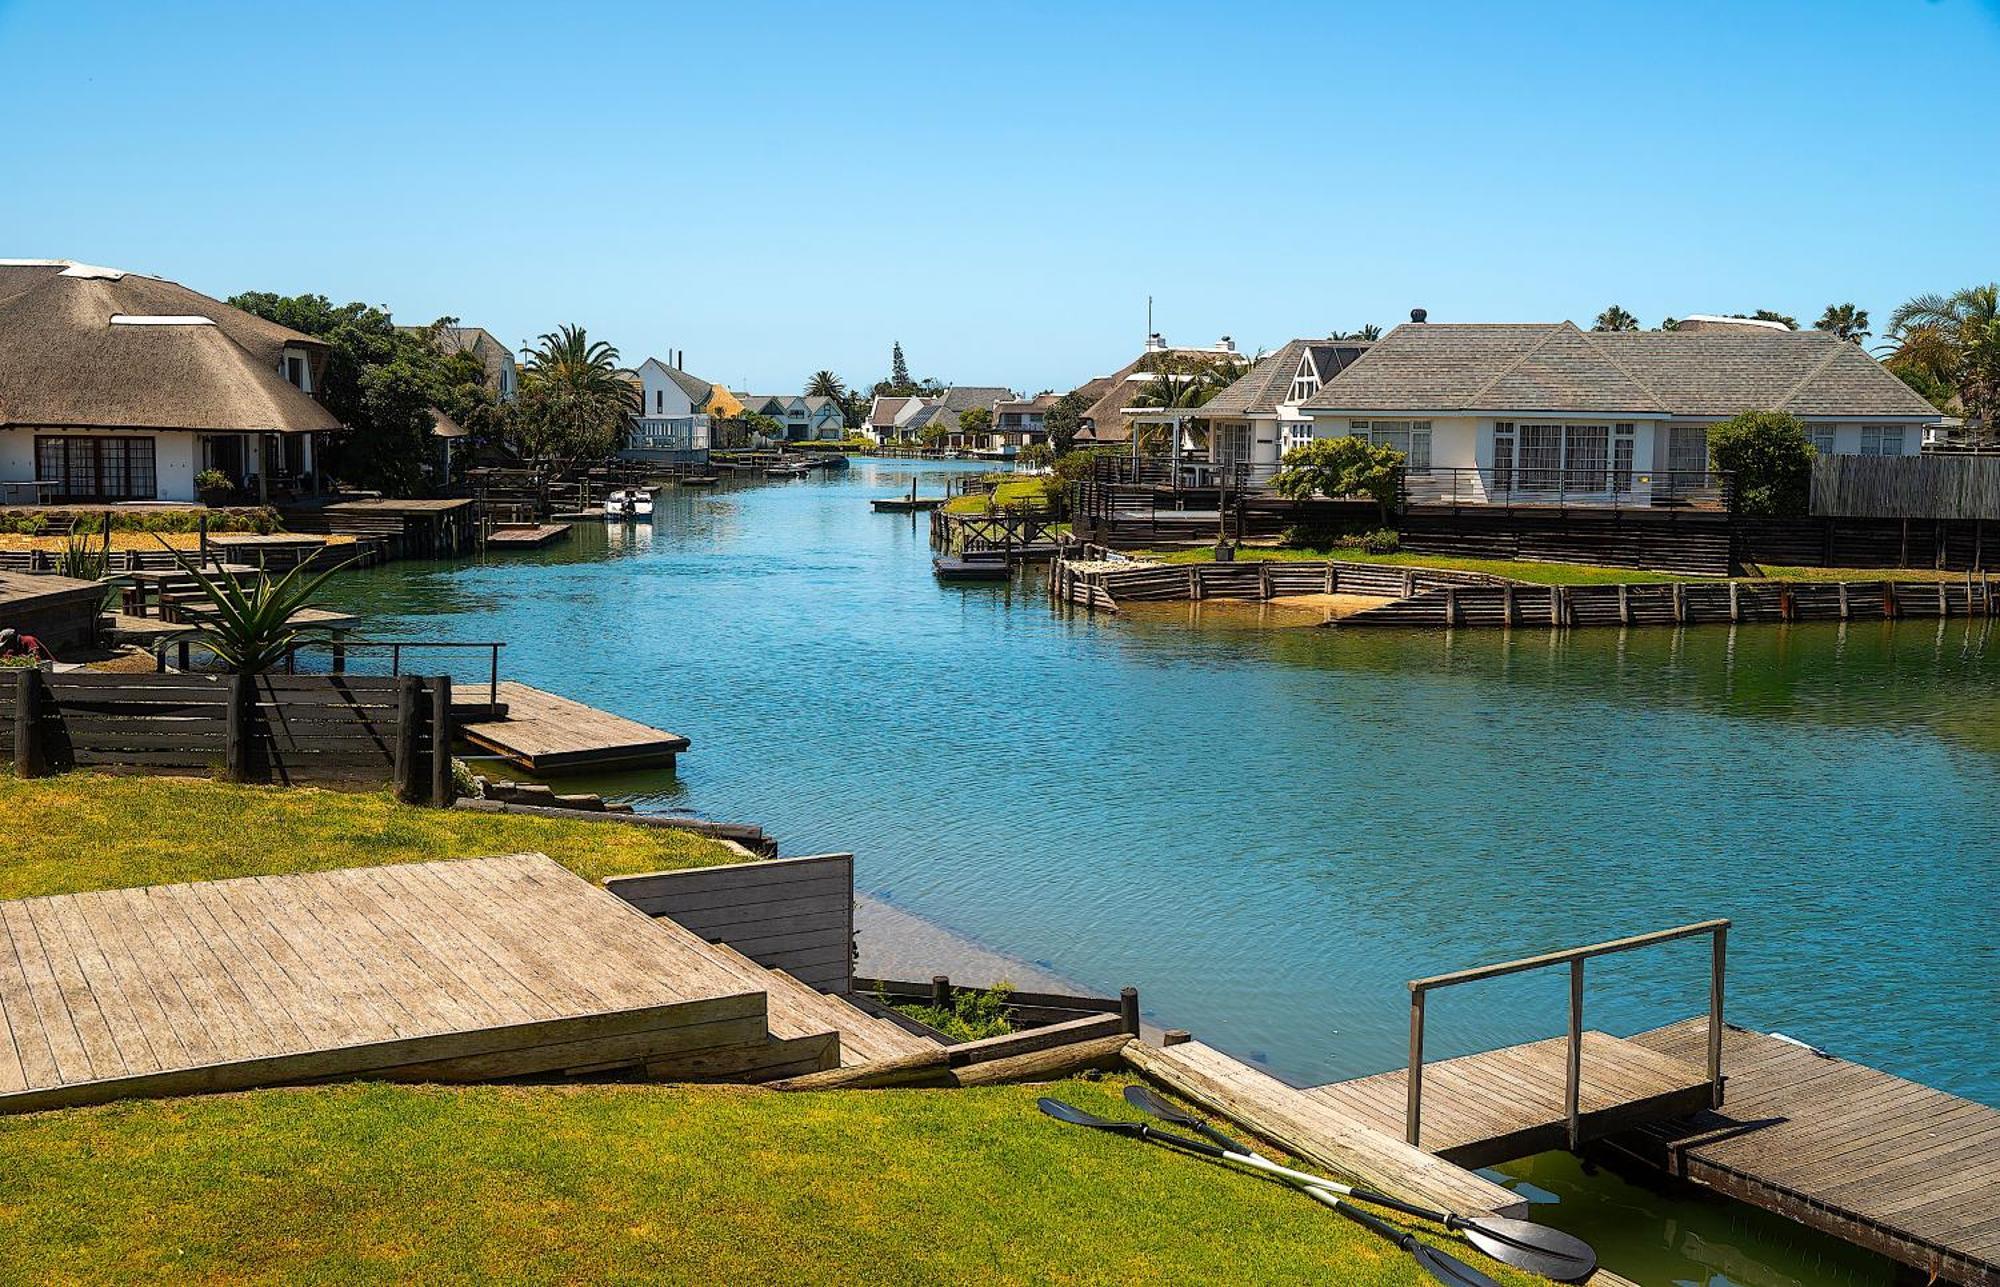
x,y
973,1016
1381,541
1771,456
1337,467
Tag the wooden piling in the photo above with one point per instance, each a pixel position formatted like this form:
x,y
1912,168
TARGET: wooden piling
x,y
441,739
1128,1010
236,729
30,758
409,690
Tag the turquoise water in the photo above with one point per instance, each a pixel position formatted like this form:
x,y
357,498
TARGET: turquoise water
x,y
1271,830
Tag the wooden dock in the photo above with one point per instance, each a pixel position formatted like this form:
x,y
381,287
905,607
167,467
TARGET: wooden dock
x,y
469,970
547,734
527,537
1903,1170
906,504
1502,1104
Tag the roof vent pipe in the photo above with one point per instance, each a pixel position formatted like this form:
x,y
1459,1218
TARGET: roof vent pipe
x,y
1418,314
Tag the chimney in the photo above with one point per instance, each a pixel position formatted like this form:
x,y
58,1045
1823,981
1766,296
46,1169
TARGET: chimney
x,y
1154,343
1418,314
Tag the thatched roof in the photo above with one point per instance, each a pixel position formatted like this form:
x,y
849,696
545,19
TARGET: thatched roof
x,y
87,347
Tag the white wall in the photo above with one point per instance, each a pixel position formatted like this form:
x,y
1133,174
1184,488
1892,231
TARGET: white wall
x,y
664,398
176,457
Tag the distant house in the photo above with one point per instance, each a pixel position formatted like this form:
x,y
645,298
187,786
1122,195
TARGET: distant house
x,y
904,419
1020,422
1106,421
958,399
806,418
502,376
673,423
116,386
1254,421
1523,412
887,416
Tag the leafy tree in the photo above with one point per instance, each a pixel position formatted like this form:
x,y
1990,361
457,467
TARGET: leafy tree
x,y
769,428
933,434
1949,345
1615,319
853,408
1064,420
975,420
1844,320
1770,455
825,384
573,404
1670,324
1336,467
1036,455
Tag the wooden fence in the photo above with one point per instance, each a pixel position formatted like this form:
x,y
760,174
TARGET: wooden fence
x,y
1940,487
790,914
341,730
1103,589
1681,603
1026,535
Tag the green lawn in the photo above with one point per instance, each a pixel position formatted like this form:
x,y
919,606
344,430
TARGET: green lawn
x,y
1537,573
79,831
1011,491
378,1183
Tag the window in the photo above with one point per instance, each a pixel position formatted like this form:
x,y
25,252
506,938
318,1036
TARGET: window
x,y
97,468
1305,382
659,401
1232,444
1822,439
1621,457
1540,457
1882,440
1411,437
1503,456
1586,458
295,371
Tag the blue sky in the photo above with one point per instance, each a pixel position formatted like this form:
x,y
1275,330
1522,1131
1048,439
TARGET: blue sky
x,y
777,188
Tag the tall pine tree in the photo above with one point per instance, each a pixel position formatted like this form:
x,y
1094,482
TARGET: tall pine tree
x,y
899,370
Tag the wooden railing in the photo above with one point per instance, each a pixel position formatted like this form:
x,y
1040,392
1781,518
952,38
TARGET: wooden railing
x,y
1574,957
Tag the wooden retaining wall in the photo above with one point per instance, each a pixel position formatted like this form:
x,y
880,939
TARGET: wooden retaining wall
x,y
790,914
1681,603
1104,590
338,730
365,552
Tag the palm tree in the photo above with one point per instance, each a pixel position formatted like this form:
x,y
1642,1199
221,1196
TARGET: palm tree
x,y
1615,319
1952,342
573,403
825,384
1367,331
1844,320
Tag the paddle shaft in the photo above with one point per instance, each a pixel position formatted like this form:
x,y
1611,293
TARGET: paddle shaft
x,y
1304,1179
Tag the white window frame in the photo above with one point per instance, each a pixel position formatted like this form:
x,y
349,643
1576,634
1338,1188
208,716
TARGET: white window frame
x,y
1416,435
1305,381
1882,440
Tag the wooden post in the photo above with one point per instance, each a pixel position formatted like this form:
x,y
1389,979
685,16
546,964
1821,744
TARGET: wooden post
x,y
409,689
236,728
1264,579
441,738
1507,614
1735,607
1843,601
30,758
1330,582
1624,604
1573,1081
1680,603
1718,960
1409,584
1788,608
1176,1037
941,991
1128,1010
1451,605
1944,607
1413,1102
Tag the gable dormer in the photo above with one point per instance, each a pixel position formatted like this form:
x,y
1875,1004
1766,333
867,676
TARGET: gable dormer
x,y
1305,381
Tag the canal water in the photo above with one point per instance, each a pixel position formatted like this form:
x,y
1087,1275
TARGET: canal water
x,y
1270,829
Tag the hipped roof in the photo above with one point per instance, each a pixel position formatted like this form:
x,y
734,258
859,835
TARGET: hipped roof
x,y
176,359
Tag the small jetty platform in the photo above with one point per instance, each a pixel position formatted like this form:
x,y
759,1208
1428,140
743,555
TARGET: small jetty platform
x,y
1906,1171
906,504
973,566
528,537
547,734
469,970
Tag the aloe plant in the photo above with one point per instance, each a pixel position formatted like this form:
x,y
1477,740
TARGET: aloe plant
x,y
253,629
84,560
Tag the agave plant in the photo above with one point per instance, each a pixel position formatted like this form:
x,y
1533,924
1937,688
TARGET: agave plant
x,y
251,629
83,559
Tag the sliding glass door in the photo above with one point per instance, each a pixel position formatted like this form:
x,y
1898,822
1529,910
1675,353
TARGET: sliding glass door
x,y
97,469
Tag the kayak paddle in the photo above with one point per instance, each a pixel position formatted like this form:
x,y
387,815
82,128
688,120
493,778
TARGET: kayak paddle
x,y
1520,1243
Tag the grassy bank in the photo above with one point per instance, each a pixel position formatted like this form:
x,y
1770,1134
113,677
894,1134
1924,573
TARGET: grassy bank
x,y
1010,491
635,1183
82,831
1536,573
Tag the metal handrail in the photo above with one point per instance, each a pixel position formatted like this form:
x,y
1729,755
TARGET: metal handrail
x,y
1562,486
1574,957
339,649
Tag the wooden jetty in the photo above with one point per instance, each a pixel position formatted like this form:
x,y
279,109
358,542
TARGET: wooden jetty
x,y
527,537
905,504
972,566
60,611
468,970
1906,1171
547,734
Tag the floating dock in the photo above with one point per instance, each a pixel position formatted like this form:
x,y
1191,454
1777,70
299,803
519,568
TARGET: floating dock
x,y
1906,1171
470,970
906,504
547,734
527,538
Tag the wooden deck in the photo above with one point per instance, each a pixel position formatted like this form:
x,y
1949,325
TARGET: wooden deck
x,y
448,971
1501,1104
1904,1170
547,734
527,538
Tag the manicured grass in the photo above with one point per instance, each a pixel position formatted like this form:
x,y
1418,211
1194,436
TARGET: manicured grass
x,y
80,831
1013,491
637,1183
1537,573
1774,572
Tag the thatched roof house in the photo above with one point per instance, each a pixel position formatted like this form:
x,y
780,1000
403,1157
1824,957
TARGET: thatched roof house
x,y
117,386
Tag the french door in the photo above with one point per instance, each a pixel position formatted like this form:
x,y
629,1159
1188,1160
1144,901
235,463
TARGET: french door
x,y
97,468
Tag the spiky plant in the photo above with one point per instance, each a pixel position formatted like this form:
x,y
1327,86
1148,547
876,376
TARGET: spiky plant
x,y
253,629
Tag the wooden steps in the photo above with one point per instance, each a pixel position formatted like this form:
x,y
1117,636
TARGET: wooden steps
x,y
1501,1104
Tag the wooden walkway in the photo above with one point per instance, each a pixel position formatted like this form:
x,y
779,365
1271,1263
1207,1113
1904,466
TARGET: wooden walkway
x,y
527,538
547,734
1904,1170
1503,1104
447,971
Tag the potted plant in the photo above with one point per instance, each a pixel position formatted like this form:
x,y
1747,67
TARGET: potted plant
x,y
214,488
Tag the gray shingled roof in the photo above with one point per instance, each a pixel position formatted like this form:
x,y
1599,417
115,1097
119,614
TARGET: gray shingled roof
x,y
964,397
882,412
699,391
1464,367
1264,386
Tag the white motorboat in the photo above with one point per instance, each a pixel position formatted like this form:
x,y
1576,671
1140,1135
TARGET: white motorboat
x,y
629,505
617,506
640,502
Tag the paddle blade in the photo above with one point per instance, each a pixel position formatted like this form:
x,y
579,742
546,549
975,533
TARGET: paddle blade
x,y
1533,1247
1146,1101
1448,1269
1075,1116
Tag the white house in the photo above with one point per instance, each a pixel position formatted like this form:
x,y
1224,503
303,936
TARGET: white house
x,y
115,386
1529,412
1259,417
806,417
673,422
